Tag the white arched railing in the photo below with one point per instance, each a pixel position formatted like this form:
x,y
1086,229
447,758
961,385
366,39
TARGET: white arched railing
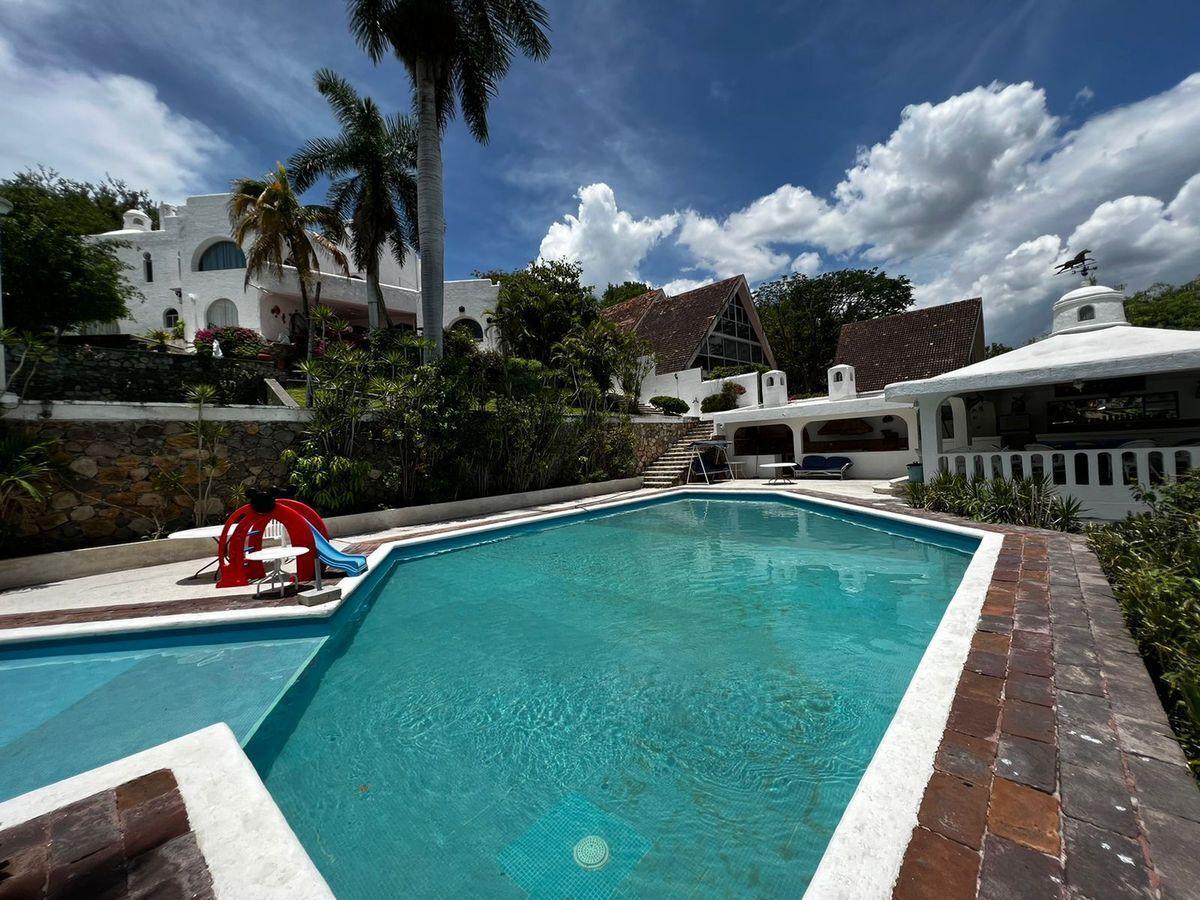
x,y
1100,479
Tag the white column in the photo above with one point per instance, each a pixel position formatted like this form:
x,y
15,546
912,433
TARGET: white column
x,y
928,411
958,409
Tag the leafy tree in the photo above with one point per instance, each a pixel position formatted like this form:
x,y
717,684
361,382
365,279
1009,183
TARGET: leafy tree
x,y
802,317
619,293
268,218
96,207
1164,306
456,53
539,306
995,348
371,165
54,278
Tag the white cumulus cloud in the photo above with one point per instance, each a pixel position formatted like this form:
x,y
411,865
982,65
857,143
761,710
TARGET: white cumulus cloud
x,y
608,241
89,124
980,194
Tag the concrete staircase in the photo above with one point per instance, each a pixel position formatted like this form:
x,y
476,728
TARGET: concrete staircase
x,y
666,471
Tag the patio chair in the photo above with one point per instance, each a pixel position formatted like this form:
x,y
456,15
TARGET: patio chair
x,y
823,467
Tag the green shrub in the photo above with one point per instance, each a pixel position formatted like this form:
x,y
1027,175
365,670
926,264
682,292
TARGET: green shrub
x,y
1153,562
724,400
1030,501
671,406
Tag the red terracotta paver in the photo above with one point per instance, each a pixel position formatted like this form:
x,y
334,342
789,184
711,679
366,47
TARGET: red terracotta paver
x,y
955,808
936,867
1024,815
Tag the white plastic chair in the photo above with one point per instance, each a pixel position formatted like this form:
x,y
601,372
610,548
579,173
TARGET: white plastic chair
x,y
276,532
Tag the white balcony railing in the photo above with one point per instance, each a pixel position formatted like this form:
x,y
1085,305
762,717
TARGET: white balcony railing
x,y
1099,479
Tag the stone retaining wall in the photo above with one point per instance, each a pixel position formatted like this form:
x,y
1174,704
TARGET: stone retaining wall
x,y
102,373
118,475
653,439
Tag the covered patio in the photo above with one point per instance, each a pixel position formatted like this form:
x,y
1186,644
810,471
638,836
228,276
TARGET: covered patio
x,y
1100,406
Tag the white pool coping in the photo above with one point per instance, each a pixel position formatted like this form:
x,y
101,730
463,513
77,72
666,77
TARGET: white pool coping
x,y
863,857
249,848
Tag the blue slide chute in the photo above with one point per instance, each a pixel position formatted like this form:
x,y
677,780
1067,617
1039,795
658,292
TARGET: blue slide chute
x,y
351,564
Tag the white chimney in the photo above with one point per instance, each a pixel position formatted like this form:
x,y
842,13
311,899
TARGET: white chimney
x,y
774,388
841,383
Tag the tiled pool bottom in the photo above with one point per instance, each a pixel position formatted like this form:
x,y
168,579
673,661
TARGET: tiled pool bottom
x,y
703,681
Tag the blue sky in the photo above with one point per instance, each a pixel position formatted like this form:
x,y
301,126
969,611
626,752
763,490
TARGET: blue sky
x,y
966,145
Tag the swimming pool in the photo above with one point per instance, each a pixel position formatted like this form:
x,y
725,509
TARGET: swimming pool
x,y
697,682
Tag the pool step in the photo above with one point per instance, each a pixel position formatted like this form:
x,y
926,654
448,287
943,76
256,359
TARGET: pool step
x,y
668,469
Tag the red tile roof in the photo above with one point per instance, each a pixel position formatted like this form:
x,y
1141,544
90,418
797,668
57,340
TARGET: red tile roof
x,y
676,326
910,345
626,314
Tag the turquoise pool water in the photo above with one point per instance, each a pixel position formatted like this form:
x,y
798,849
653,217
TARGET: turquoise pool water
x,y
700,683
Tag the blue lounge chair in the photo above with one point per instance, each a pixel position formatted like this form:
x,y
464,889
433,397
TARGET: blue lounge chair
x,y
823,467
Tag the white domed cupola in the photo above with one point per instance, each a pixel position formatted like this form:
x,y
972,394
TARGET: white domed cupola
x,y
1088,308
135,220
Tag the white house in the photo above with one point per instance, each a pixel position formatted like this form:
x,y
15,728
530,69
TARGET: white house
x,y
855,420
1099,405
188,269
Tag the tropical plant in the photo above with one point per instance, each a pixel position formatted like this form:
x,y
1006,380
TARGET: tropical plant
x,y
371,167
1153,562
456,53
27,473
1031,501
619,293
198,483
740,369
29,351
671,406
803,316
540,306
268,218
54,278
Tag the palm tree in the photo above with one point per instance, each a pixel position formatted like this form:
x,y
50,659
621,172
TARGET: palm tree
x,y
371,168
456,53
276,230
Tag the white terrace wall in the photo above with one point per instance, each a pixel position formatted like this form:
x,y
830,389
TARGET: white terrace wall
x,y
691,386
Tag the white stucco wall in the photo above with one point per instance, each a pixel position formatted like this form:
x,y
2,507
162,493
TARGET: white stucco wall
x,y
187,231
690,385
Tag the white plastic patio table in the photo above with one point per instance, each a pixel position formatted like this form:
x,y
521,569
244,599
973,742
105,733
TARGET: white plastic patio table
x,y
275,556
777,470
205,531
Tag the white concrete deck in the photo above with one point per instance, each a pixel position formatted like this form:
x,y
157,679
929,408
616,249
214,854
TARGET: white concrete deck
x,y
174,581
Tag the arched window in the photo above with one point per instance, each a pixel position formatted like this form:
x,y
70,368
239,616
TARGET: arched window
x,y
837,376
1087,313
222,255
170,317
470,326
221,313
147,267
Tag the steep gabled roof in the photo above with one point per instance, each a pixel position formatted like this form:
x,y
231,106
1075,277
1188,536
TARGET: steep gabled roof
x,y
626,314
675,327
912,345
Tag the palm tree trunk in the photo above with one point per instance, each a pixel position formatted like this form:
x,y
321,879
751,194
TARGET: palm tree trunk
x,y
431,213
377,315
308,340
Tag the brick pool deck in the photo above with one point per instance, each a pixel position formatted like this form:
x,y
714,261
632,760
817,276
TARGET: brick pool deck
x,y
1058,774
133,840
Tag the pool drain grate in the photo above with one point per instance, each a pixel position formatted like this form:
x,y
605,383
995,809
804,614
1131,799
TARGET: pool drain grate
x,y
591,852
